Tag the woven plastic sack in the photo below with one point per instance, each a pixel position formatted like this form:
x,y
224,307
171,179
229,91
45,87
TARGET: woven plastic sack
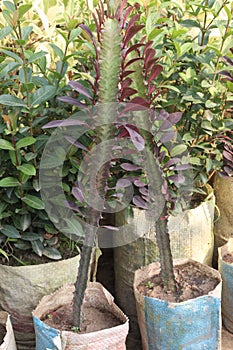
x,y
97,296
9,339
226,270
192,324
223,229
22,287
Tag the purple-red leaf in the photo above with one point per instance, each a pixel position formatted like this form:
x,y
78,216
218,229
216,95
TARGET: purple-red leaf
x,y
133,48
149,55
171,162
131,32
136,138
175,117
126,83
178,178
167,136
228,156
132,21
126,14
126,73
132,61
122,183
139,202
156,70
139,183
72,206
183,167
130,167
144,191
227,74
72,101
140,101
228,60
78,194
76,143
150,64
151,89
127,93
148,45
79,88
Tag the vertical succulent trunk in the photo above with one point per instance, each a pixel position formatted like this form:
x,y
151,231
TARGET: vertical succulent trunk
x,y
108,89
156,181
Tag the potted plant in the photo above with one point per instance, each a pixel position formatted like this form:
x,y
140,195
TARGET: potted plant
x,y
28,238
164,125
179,82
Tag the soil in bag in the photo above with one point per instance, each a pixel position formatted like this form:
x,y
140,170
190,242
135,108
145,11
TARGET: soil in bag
x,y
191,283
93,319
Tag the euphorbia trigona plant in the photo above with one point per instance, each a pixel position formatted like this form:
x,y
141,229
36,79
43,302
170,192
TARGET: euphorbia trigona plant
x,y
125,69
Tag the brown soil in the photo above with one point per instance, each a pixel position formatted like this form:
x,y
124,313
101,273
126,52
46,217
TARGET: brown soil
x,y
191,283
2,333
93,319
228,258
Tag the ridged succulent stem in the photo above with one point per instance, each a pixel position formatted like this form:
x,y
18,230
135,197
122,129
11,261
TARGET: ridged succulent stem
x,y
108,89
155,180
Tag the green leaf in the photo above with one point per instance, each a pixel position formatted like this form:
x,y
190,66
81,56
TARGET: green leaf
x,y
4,144
9,5
24,9
13,55
31,236
10,231
57,50
74,33
36,56
73,227
185,47
33,202
52,253
37,247
5,31
4,254
195,161
26,141
177,150
230,86
26,31
27,169
25,221
43,94
189,23
9,100
9,182
209,164
13,157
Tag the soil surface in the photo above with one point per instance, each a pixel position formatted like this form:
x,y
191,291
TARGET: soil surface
x,y
2,333
228,258
93,319
191,283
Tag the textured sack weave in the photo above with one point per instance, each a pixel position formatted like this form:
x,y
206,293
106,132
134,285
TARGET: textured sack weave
x,y
192,324
22,287
226,270
9,339
223,229
96,296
